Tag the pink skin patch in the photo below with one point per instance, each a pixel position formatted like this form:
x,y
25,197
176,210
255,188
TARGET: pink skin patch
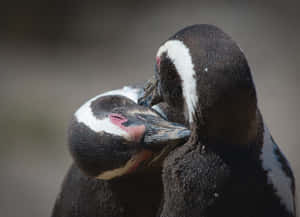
x,y
135,132
158,62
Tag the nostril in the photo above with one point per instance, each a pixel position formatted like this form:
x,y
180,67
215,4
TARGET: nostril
x,y
141,118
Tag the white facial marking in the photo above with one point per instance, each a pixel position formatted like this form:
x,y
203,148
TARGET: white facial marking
x,y
181,58
206,69
276,176
85,115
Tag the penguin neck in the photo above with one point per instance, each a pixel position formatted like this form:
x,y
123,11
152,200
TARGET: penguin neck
x,y
135,186
229,130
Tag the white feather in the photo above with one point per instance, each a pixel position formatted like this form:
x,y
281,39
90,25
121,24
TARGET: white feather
x,y
181,58
276,176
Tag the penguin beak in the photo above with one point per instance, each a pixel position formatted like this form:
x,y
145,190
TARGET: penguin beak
x,y
160,133
152,95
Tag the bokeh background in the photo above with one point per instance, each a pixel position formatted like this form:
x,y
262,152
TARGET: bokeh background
x,y
54,55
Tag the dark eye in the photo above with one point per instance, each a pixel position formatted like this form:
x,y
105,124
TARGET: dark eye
x,y
117,118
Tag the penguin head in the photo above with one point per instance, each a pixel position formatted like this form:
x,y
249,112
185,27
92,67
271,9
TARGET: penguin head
x,y
111,136
204,74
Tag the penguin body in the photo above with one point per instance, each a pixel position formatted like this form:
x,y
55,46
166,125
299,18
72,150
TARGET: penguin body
x,y
206,184
112,141
230,166
133,195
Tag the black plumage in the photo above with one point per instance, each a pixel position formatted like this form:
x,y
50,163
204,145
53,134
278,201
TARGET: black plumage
x,y
223,170
130,196
133,191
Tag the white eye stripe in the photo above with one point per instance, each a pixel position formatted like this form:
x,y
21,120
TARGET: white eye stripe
x,y
86,116
129,92
182,60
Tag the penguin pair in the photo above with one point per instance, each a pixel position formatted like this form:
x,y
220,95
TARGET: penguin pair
x,y
230,166
117,146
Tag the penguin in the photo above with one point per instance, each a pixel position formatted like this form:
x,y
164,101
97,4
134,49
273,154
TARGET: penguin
x,y
117,146
231,165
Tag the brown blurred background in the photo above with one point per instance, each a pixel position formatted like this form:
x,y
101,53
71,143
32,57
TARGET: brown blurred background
x,y
54,55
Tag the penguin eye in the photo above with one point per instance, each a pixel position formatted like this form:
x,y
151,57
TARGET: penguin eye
x,y
117,118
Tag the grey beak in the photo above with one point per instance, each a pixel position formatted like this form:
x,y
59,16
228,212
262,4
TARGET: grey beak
x,y
161,136
161,133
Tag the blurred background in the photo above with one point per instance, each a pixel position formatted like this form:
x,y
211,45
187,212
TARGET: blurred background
x,y
54,55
